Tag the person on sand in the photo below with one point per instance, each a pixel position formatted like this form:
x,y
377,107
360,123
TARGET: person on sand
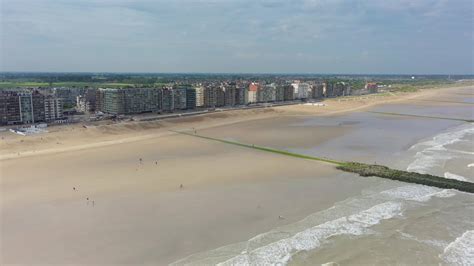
x,y
74,188
181,186
141,160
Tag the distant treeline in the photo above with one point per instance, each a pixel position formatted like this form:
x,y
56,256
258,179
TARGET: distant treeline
x,y
153,79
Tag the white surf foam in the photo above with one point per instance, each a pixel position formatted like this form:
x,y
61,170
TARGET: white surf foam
x,y
351,217
454,176
418,193
280,252
470,165
461,250
433,153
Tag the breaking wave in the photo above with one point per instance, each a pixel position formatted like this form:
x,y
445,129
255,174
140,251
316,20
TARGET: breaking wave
x,y
352,217
433,154
460,251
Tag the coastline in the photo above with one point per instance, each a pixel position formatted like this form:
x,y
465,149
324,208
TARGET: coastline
x,y
77,137
141,214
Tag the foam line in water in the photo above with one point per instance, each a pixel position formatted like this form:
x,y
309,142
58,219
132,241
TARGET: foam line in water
x,y
454,176
434,153
418,193
460,251
353,216
280,252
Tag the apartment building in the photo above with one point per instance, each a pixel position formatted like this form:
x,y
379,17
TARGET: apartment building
x,y
190,98
279,93
28,106
53,108
230,99
167,102
317,91
214,97
199,96
130,100
288,93
252,92
179,98
267,93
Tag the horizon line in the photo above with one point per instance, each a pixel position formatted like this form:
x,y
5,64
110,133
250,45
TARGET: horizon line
x,y
234,73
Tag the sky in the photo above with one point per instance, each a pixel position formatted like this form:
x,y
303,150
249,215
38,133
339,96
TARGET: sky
x,y
238,36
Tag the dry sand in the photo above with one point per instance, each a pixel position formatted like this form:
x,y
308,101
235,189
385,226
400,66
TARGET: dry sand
x,y
76,137
140,214
137,213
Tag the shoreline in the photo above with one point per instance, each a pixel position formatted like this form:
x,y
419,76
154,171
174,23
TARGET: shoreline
x,y
334,106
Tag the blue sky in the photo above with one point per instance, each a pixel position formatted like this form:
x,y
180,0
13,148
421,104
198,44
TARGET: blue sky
x,y
246,36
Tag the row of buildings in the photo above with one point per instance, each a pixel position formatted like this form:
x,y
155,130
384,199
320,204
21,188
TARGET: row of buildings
x,y
29,106
184,97
23,106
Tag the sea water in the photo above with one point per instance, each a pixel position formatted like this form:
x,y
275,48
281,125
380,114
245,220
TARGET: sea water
x,y
392,223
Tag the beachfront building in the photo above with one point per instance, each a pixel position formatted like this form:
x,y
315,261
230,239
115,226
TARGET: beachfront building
x,y
267,93
303,90
279,93
214,97
9,107
88,101
179,97
252,92
190,98
167,100
229,96
288,93
335,89
241,96
199,96
317,91
68,95
32,107
130,100
53,108
295,86
28,106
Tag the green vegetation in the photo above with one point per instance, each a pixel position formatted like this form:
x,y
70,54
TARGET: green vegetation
x,y
361,168
408,88
287,153
404,176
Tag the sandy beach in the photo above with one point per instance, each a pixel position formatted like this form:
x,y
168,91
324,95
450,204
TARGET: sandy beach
x,y
138,193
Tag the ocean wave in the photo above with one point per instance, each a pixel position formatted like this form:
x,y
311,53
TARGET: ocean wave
x,y
280,252
460,251
418,193
434,153
351,217
470,165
